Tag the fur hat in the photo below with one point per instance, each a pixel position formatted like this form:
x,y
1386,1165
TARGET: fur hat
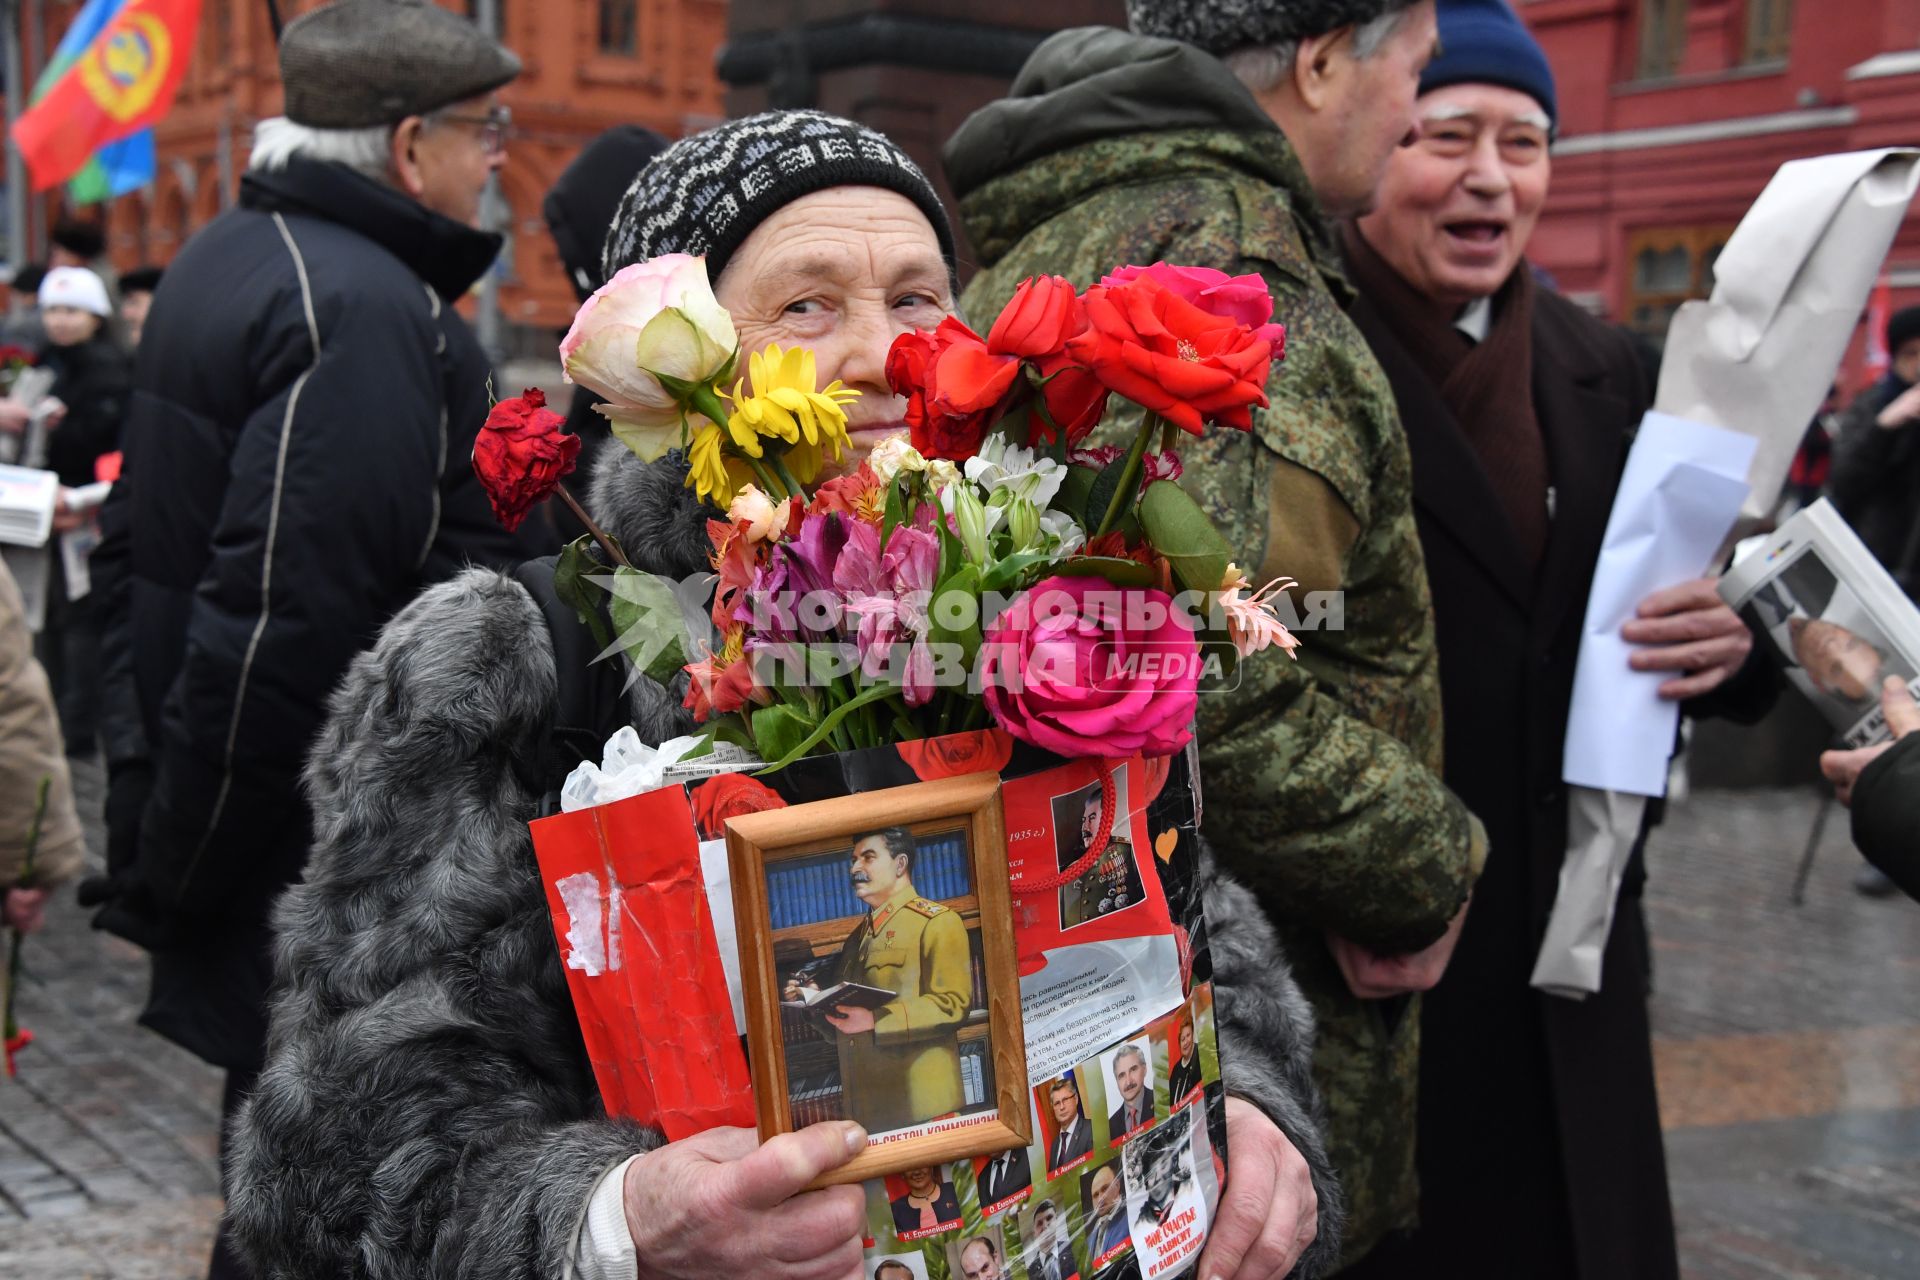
x,y
707,192
357,64
1221,26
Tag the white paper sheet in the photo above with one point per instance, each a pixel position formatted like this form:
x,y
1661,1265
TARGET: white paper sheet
x,y
1678,498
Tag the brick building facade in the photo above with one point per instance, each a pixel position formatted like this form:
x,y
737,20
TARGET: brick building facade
x,y
1675,113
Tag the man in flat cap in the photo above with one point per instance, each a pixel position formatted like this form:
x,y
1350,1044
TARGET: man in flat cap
x,y
1227,134
296,471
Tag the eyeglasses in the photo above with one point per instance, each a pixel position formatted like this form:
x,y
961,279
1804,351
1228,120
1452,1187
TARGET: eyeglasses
x,y
496,126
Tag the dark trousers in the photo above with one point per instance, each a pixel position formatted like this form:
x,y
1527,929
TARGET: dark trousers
x,y
226,1263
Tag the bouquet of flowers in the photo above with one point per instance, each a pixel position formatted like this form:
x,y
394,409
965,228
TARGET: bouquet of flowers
x,y
987,566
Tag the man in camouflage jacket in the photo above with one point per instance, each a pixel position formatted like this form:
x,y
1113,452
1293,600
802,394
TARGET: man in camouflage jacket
x,y
1322,776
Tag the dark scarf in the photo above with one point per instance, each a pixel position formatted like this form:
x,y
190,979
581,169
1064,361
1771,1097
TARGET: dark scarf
x,y
1488,386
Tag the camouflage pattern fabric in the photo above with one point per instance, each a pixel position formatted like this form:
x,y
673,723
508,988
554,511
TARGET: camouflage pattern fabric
x,y
1322,777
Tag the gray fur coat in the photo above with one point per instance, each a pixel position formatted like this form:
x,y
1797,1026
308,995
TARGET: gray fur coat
x,y
427,1108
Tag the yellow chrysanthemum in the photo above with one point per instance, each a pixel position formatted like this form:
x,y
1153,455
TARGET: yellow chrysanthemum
x,y
711,474
784,405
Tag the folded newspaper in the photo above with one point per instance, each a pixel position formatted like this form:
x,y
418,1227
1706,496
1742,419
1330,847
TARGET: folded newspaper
x,y
1835,619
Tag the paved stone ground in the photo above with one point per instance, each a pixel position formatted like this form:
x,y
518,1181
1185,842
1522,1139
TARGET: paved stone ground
x,y
1788,1042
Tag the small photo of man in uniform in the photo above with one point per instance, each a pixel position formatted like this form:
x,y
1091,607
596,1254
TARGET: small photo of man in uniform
x,y
1129,1069
1163,1181
907,970
1068,1130
1112,883
923,1200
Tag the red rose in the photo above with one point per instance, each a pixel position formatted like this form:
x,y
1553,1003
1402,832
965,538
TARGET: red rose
x,y
728,795
956,389
521,454
1242,298
981,751
1076,400
1044,312
1173,358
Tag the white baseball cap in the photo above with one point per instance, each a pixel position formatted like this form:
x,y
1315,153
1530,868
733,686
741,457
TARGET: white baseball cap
x,y
75,287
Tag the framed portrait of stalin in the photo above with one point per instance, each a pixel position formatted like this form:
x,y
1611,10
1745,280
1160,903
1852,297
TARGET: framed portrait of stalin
x,y
878,968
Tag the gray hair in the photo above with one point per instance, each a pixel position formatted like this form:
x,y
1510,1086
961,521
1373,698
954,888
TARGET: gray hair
x,y
1126,1051
278,140
1262,68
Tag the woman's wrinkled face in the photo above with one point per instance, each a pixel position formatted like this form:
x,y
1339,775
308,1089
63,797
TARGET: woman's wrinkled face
x,y
69,326
842,272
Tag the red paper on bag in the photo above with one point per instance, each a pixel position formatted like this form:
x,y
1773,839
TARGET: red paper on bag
x,y
629,906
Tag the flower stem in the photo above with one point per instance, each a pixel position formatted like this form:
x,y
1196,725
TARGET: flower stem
x,y
1129,487
768,481
703,401
1168,437
794,487
607,544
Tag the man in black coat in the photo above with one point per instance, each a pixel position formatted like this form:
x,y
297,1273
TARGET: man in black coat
x,y
1539,1149
1876,460
305,405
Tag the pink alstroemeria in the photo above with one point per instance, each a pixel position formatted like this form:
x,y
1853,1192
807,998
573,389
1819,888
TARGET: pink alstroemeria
x,y
1252,623
890,591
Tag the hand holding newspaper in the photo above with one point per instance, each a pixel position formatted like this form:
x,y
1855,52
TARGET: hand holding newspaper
x,y
1742,376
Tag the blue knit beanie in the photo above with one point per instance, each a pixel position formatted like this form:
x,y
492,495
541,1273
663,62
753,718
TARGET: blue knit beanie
x,y
1483,42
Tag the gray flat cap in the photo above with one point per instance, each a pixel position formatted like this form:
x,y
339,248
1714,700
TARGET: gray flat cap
x,y
359,63
1221,26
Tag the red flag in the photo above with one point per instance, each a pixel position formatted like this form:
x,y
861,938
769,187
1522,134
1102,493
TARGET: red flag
x,y
1879,311
122,83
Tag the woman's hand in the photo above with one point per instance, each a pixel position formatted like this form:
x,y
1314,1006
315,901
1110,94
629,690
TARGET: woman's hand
x,y
13,417
1268,1212
721,1203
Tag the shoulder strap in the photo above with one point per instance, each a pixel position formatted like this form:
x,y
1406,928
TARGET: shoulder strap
x,y
592,702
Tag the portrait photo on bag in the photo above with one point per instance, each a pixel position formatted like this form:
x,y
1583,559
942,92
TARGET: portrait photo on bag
x,y
882,988
1113,883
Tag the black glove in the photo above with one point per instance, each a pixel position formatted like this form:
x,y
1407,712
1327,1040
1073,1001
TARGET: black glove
x,y
129,784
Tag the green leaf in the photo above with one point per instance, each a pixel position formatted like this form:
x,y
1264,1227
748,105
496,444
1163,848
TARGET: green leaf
x,y
1179,530
1072,495
1118,570
781,731
871,694
571,574
966,581
896,512
648,620
1005,573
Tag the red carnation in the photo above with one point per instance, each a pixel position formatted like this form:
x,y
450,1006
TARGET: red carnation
x,y
521,454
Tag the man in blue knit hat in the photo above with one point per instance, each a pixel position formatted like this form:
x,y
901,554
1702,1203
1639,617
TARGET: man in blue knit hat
x,y
1539,1147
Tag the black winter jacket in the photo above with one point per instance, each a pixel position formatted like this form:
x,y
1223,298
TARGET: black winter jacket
x,y
1876,482
297,470
1886,814
91,378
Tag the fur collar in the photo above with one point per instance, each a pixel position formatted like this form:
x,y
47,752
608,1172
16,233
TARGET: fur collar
x,y
647,506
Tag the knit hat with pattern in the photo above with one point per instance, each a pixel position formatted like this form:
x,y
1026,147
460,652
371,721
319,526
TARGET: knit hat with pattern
x,y
1221,26
706,193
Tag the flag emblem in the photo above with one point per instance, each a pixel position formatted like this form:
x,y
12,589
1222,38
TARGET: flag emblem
x,y
125,72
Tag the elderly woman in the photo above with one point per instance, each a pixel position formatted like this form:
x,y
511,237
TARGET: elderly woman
x,y
427,1106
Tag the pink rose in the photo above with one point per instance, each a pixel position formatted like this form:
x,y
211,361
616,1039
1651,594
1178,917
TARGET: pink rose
x,y
1240,298
1080,667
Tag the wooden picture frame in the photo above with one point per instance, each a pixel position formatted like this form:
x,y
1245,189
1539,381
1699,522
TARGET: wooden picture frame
x,y
969,805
